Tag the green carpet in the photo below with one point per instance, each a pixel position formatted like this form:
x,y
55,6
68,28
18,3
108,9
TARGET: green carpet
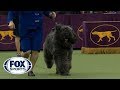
x,y
84,66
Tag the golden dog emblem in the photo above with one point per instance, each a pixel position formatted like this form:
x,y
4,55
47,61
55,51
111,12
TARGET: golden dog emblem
x,y
107,34
6,33
81,30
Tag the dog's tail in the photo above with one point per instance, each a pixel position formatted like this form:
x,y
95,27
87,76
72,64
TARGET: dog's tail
x,y
113,31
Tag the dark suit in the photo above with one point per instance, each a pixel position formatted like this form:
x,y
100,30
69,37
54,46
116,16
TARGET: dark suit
x,y
30,28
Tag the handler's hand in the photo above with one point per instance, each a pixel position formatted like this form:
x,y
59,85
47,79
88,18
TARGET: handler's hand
x,y
52,15
11,25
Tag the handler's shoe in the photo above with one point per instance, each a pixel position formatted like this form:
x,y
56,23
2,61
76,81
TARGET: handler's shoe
x,y
31,73
18,55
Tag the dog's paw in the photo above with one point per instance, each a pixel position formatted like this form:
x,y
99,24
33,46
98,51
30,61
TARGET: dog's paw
x,y
65,74
49,66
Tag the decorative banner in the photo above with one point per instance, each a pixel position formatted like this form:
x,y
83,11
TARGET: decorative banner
x,y
75,21
101,33
6,35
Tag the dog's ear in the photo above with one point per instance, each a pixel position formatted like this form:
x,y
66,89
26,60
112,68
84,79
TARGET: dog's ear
x,y
53,29
58,26
70,26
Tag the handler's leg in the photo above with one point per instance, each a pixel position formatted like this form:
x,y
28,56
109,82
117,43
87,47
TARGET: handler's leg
x,y
35,47
26,51
25,46
26,54
17,44
33,58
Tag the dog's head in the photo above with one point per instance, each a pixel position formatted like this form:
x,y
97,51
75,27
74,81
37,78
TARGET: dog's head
x,y
95,32
65,34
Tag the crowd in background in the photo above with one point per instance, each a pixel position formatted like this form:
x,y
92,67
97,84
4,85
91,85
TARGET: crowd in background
x,y
91,12
76,12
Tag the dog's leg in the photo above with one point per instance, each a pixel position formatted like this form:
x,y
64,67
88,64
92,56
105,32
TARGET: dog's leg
x,y
109,38
113,37
48,58
2,38
100,39
69,60
11,36
57,70
61,61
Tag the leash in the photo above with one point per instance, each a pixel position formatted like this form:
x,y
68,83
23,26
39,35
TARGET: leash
x,y
3,25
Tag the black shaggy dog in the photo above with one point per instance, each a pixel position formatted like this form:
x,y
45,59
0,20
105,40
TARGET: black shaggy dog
x,y
58,48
